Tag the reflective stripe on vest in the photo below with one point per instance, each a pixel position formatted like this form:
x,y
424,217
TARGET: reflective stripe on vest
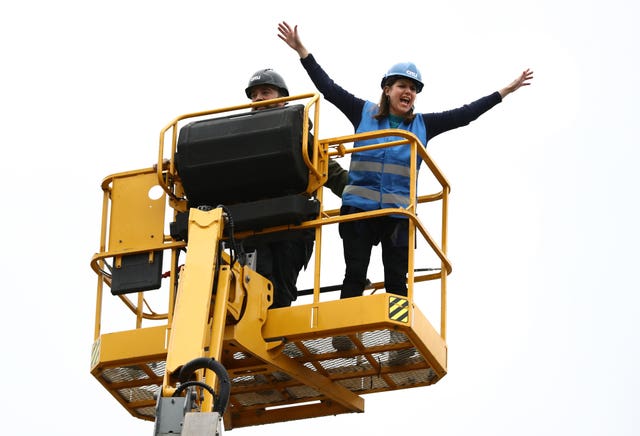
x,y
377,167
370,194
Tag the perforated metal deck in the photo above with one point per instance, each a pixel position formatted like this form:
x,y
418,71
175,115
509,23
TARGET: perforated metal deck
x,y
380,360
363,345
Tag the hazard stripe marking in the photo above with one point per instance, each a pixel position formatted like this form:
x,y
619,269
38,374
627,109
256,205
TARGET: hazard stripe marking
x,y
399,309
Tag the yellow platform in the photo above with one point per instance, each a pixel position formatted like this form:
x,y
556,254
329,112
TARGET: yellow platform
x,y
386,355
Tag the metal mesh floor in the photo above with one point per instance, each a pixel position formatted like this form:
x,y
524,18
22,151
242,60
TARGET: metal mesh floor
x,y
370,361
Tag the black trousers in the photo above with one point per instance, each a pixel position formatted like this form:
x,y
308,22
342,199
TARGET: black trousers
x,y
359,237
281,261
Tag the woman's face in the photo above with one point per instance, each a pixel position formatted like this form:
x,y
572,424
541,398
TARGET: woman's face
x,y
402,95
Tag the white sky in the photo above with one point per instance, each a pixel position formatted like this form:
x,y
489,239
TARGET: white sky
x,y
543,299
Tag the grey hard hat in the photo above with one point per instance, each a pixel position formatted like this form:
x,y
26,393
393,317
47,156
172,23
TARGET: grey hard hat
x,y
267,77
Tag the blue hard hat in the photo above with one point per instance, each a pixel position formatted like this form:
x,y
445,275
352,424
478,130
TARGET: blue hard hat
x,y
404,69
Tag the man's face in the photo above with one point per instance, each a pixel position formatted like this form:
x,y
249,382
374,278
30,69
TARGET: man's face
x,y
265,92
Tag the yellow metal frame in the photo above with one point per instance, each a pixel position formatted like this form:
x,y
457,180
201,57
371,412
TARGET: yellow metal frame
x,y
281,361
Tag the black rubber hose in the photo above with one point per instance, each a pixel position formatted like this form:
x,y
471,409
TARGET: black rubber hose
x,y
220,404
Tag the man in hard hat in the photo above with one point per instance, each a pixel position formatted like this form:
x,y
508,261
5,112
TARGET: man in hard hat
x,y
281,261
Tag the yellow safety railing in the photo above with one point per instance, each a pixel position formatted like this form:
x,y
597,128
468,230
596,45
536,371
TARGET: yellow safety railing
x,y
113,245
417,149
165,176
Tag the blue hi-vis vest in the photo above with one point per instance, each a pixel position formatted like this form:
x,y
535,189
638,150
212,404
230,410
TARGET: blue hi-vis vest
x,y
380,178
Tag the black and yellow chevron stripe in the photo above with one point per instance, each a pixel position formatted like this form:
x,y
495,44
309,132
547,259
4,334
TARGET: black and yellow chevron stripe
x,y
399,309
